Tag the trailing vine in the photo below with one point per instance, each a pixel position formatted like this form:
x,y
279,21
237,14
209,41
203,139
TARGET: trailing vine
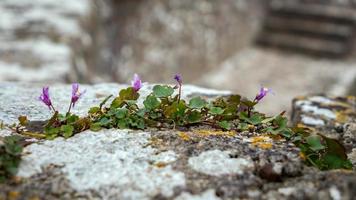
x,y
165,109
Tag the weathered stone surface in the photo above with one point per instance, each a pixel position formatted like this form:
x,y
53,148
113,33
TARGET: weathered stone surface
x,y
332,116
186,163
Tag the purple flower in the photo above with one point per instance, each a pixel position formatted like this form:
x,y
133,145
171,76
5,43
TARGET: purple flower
x,y
76,94
263,92
136,83
178,78
45,97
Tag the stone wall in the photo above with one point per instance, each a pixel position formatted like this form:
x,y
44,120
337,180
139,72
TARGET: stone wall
x,y
38,38
172,36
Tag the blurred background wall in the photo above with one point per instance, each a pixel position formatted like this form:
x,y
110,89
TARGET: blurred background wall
x,y
295,47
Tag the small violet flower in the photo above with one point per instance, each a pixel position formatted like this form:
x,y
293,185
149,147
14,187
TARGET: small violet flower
x,y
178,78
76,94
136,83
263,92
45,98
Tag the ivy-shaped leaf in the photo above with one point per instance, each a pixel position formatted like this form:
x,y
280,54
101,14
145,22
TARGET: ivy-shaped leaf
x,y
216,110
124,95
121,113
197,103
314,142
194,117
67,130
151,102
162,91
95,127
225,125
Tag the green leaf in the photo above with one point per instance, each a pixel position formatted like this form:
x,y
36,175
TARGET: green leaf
x,y
242,126
176,110
287,133
315,142
51,136
71,118
124,95
105,121
281,122
94,110
255,119
216,110
121,113
67,130
151,102
335,147
197,103
225,125
267,120
194,117
52,130
136,122
249,103
162,91
95,127
141,112
122,123
333,161
12,145
234,99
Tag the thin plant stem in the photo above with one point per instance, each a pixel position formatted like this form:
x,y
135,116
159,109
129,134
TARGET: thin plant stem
x,y
70,107
52,107
180,92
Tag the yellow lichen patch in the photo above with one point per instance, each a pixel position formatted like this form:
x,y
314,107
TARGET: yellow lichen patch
x,y
263,142
206,133
302,156
184,136
351,98
275,137
341,117
13,195
301,125
160,164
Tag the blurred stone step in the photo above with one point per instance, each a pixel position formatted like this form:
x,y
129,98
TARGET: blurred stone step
x,y
322,12
317,29
304,44
307,27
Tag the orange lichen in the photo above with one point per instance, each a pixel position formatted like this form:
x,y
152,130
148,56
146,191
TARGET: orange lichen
x,y
13,195
262,142
160,164
342,117
300,98
184,136
206,133
302,156
301,125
